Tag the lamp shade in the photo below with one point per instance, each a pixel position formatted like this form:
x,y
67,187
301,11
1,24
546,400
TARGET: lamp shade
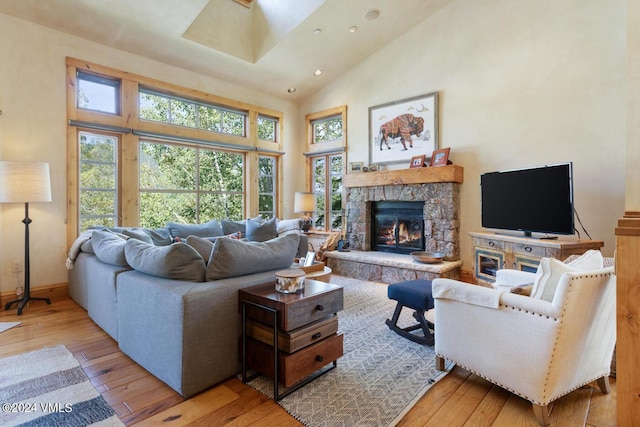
x,y
24,182
304,202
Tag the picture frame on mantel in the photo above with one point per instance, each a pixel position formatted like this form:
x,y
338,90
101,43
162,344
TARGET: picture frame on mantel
x,y
417,161
440,157
400,130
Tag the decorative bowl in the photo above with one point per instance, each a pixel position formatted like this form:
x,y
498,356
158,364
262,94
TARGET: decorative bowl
x,y
427,257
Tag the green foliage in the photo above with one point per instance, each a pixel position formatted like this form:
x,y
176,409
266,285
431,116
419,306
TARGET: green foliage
x,y
329,129
267,128
184,112
97,179
208,184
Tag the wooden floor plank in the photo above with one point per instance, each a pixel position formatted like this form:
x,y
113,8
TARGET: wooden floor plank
x,y
141,399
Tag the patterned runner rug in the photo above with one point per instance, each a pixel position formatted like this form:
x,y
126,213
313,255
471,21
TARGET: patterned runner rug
x,y
379,378
5,326
48,387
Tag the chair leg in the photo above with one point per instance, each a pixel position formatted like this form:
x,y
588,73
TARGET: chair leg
x,y
603,383
440,363
426,339
542,414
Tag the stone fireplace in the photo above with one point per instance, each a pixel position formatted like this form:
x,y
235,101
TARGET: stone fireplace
x,y
435,189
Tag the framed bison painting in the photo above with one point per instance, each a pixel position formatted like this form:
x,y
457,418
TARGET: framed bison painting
x,y
400,130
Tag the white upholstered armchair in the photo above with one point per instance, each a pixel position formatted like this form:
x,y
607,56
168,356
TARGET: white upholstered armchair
x,y
538,349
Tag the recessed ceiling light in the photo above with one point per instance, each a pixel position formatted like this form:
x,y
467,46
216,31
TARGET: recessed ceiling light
x,y
317,31
317,72
291,89
371,15
353,29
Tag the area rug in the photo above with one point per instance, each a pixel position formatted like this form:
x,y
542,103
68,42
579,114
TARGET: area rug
x,y
380,376
48,387
5,326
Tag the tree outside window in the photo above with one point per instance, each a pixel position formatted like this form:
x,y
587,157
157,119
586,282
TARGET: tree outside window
x,y
189,184
97,179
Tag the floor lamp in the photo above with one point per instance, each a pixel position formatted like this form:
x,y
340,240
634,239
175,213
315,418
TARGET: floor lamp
x,y
25,183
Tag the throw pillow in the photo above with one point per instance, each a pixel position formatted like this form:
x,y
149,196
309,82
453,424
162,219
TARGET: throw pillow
x,y
261,231
551,270
210,228
109,247
232,258
284,225
177,261
137,234
230,227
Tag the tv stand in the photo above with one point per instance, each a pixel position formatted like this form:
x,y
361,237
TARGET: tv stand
x,y
494,251
528,235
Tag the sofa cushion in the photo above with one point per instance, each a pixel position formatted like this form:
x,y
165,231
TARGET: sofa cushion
x,y
109,247
202,246
551,270
177,261
231,258
261,231
210,228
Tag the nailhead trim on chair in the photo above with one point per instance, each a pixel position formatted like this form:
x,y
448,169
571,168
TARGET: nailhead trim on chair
x,y
554,346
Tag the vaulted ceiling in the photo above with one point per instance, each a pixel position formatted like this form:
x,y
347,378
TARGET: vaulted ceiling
x,y
270,46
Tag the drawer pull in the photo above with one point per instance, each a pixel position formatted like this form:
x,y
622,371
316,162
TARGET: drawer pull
x,y
528,248
319,358
319,307
316,336
492,244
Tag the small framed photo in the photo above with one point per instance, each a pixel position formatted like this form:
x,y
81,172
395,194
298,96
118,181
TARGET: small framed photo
x,y
356,167
440,157
309,259
417,161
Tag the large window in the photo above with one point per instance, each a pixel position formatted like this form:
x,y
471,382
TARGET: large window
x,y
326,144
97,179
146,152
327,129
164,108
327,186
189,184
267,186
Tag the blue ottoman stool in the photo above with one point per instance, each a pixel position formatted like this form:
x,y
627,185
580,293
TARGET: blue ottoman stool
x,y
416,295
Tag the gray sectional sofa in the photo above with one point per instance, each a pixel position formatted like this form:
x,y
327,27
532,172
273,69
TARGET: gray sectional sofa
x,y
171,300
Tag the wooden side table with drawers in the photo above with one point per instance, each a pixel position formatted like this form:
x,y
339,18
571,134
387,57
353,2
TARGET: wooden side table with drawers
x,y
291,338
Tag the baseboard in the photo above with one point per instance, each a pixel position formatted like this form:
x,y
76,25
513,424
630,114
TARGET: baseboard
x,y
53,292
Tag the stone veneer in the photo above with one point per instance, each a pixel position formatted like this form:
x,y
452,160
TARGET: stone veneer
x,y
388,267
441,214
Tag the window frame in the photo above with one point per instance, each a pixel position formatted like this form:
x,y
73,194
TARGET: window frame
x,y
131,129
326,150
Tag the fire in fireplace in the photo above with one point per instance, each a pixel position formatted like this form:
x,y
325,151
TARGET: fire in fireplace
x,y
397,226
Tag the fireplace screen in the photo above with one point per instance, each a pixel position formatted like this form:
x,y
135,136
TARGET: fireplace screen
x,y
398,226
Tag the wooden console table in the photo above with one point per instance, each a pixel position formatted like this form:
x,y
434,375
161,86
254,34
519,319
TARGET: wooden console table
x,y
492,252
290,337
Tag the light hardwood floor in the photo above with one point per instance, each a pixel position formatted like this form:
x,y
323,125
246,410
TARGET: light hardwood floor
x,y
459,399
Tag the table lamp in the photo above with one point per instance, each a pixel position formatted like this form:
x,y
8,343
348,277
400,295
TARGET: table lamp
x,y
305,203
25,183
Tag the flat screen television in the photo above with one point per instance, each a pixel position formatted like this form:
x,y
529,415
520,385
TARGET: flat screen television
x,y
537,199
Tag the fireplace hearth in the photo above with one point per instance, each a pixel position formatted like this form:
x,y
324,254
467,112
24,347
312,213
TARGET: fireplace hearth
x,y
397,226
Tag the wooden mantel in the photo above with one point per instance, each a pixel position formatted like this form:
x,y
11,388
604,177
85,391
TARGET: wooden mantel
x,y
434,174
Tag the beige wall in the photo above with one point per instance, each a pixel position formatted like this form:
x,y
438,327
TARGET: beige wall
x,y
33,128
521,84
